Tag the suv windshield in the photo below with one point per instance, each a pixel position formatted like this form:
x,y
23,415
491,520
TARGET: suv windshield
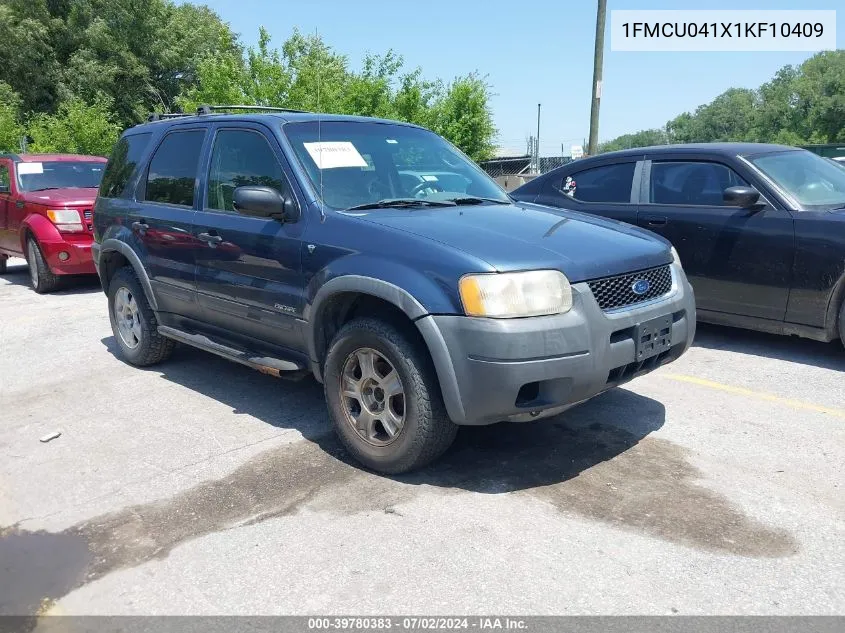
x,y
361,163
813,181
60,175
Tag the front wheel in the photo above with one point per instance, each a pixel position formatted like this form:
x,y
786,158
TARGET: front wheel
x,y
133,322
42,278
384,399
842,323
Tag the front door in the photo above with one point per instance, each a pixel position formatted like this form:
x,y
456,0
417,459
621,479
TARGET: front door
x,y
739,261
6,241
248,272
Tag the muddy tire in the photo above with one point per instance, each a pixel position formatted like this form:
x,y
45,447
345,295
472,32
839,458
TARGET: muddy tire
x,y
133,322
384,398
40,276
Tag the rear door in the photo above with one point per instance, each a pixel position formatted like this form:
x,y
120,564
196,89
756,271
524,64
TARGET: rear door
x,y
739,261
162,224
607,189
248,269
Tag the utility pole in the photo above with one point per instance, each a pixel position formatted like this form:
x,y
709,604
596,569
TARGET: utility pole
x,y
538,138
598,60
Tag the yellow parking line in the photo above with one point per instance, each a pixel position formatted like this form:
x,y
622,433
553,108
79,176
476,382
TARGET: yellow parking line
x,y
760,395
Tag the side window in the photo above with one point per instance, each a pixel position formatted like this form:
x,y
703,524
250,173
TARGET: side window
x,y
241,158
4,177
173,168
608,183
122,162
691,183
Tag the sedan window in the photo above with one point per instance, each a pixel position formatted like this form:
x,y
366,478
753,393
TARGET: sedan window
x,y
691,183
608,183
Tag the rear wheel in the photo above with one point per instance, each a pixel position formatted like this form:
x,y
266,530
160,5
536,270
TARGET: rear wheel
x,y
384,398
42,278
133,322
3,260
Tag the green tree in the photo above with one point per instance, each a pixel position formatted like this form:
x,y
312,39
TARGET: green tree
x,y
76,128
463,115
801,104
643,138
11,129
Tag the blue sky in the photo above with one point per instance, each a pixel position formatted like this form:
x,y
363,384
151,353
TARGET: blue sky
x,y
532,52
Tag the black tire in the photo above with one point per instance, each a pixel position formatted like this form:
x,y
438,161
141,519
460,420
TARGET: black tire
x,y
3,260
842,322
40,276
151,347
427,431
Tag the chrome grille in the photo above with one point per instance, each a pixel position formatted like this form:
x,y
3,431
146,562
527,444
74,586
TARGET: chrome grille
x,y
618,292
88,215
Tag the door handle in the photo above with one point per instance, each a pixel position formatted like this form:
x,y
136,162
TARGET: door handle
x,y
141,227
656,220
211,239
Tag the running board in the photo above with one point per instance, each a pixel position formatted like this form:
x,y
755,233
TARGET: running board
x,y
265,364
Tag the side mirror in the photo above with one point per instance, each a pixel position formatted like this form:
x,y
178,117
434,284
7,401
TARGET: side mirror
x,y
4,188
265,202
742,197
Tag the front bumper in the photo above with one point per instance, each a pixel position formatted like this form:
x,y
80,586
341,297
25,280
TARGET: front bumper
x,y
78,256
521,369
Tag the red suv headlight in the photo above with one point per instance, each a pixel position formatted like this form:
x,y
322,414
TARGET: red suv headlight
x,y
66,220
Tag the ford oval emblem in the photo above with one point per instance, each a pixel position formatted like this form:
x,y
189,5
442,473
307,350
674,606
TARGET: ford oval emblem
x,y
640,286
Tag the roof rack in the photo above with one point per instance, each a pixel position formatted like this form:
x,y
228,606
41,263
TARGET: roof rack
x,y
160,116
210,109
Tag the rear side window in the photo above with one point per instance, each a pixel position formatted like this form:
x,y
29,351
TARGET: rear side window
x,y
122,162
691,183
4,175
241,158
173,168
608,183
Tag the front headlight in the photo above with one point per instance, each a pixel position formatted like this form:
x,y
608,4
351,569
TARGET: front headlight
x,y
507,295
66,220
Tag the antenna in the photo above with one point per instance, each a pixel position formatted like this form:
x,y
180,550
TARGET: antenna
x,y
320,136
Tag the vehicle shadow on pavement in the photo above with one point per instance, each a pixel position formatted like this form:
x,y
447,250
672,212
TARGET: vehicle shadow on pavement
x,y
789,348
600,460
17,274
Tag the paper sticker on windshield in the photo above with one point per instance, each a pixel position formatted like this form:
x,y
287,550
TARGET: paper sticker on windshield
x,y
430,178
30,168
331,154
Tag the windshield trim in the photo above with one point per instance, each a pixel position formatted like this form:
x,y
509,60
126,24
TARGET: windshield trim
x,y
297,163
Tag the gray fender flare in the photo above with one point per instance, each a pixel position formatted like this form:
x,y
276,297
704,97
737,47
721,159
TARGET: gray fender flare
x,y
112,245
412,308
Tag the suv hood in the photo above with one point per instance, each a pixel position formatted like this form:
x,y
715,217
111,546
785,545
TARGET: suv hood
x,y
75,196
528,236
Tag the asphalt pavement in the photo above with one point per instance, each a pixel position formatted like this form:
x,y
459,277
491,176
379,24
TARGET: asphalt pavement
x,y
712,486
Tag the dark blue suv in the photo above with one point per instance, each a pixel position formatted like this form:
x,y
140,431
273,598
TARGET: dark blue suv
x,y
377,257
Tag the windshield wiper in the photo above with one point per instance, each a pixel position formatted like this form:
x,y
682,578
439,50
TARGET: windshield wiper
x,y
45,189
478,200
399,203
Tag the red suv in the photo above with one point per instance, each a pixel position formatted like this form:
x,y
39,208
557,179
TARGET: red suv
x,y
45,213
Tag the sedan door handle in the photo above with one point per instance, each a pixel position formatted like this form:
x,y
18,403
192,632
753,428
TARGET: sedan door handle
x,y
656,220
141,227
211,239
